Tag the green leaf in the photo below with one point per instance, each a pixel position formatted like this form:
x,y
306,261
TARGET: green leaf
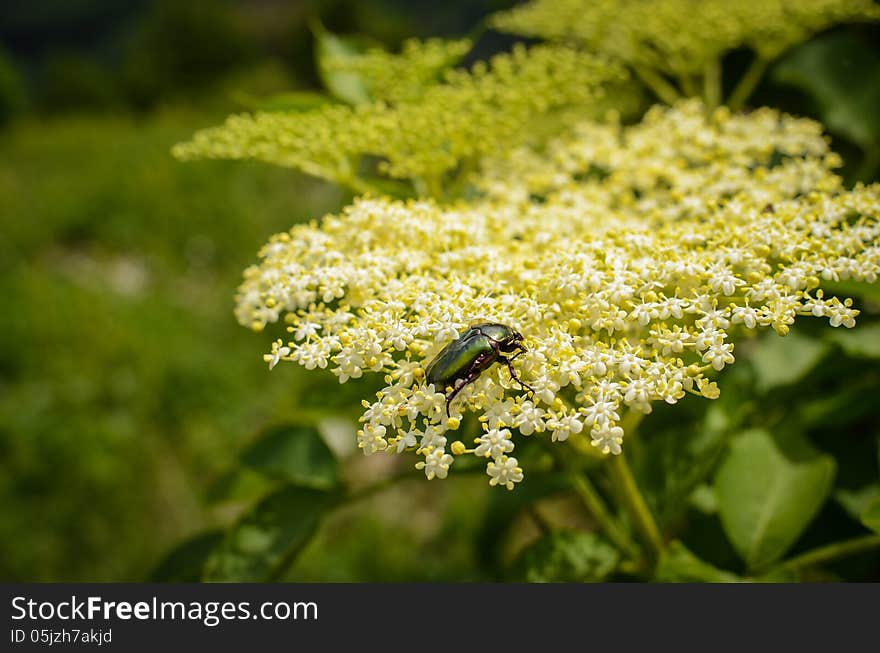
x,y
840,71
861,342
703,498
239,484
184,564
871,515
850,288
268,537
565,556
768,492
856,502
675,464
780,361
346,86
679,565
295,453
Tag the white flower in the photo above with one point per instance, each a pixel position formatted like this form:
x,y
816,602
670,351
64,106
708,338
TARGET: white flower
x,y
719,355
607,438
601,412
407,439
278,352
841,314
372,438
494,443
745,315
565,426
504,471
436,463
530,419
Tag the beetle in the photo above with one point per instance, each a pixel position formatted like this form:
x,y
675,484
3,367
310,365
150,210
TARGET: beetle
x,y
476,350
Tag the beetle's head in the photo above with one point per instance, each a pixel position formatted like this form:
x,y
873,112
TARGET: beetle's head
x,y
513,342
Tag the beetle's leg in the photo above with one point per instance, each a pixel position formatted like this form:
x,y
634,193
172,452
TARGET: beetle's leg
x,y
513,375
517,355
459,386
475,371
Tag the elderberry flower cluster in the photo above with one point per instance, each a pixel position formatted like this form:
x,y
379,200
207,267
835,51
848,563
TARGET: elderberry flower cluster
x,y
629,258
680,37
427,131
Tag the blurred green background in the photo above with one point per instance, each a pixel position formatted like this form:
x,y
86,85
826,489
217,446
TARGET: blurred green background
x,y
127,389
126,386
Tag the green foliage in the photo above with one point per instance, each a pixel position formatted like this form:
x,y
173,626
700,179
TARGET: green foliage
x,y
186,562
504,507
769,489
184,46
840,72
863,343
678,461
871,515
682,39
77,83
566,557
259,546
397,77
680,565
127,385
12,91
295,453
449,127
782,361
331,52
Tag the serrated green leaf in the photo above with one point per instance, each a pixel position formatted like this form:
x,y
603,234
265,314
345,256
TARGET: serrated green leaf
x,y
679,565
345,85
871,515
769,489
266,538
840,71
861,342
780,361
184,564
295,453
565,557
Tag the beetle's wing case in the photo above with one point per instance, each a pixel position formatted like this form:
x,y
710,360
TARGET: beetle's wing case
x,y
498,332
455,359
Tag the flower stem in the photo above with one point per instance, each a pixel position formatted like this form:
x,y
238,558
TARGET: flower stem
x,y
596,507
635,504
748,83
832,552
658,84
687,84
712,84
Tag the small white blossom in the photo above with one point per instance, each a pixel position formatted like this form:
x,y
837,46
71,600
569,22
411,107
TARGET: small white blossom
x,y
494,443
505,471
436,464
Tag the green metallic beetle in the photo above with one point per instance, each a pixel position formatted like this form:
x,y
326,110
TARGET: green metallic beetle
x,y
476,350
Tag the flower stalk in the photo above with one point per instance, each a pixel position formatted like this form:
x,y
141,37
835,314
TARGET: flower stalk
x,y
748,83
635,504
